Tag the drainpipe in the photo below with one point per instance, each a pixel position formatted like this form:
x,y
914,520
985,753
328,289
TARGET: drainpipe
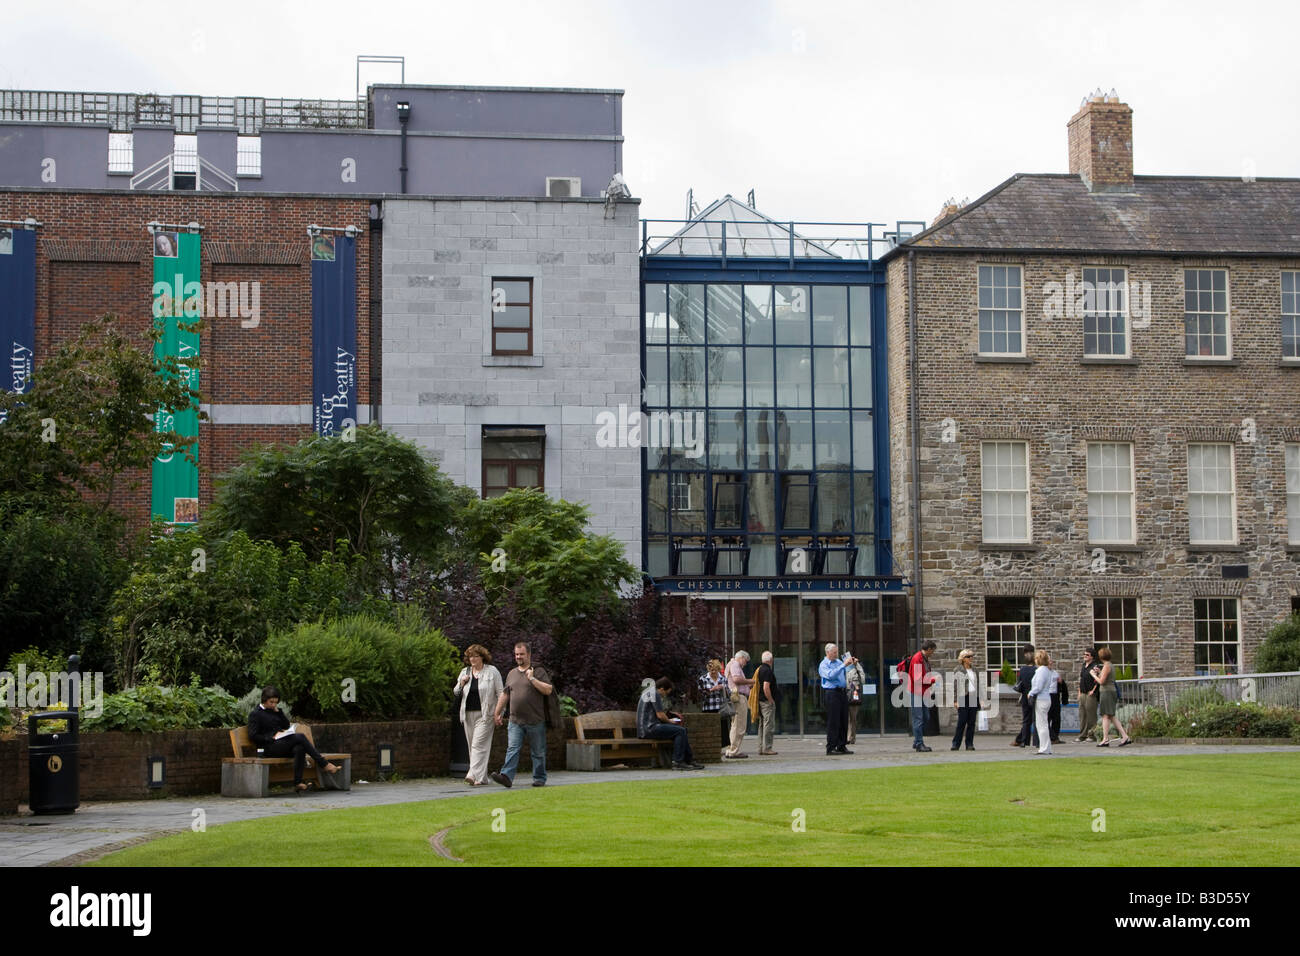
x,y
403,117
914,414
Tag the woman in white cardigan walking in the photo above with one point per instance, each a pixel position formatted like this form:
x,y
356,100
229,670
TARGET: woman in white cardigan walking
x,y
478,688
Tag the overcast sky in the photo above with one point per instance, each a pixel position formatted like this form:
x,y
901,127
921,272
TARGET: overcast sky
x,y
861,111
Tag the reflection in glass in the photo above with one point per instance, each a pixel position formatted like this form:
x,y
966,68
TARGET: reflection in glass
x,y
792,306
656,376
726,376
762,556
725,309
760,447
861,370
656,312
686,503
794,449
830,315
758,315
760,381
686,313
794,377
834,511
658,559
762,502
729,501
864,457
832,440
726,436
657,502
860,315
864,505
686,373
831,373
796,502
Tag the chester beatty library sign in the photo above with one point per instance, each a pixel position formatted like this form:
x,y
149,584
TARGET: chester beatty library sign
x,y
839,586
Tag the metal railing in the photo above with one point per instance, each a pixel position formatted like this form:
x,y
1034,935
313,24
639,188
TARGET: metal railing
x,y
1272,690
186,113
768,239
160,176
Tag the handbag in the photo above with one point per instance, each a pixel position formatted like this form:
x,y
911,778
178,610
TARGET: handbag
x,y
982,724
728,709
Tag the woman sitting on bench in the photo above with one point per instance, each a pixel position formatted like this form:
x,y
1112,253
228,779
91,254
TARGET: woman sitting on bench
x,y
266,721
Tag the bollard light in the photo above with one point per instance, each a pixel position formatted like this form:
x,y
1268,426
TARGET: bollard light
x,y
385,758
157,772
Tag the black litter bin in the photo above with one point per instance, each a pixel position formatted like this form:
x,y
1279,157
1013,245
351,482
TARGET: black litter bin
x,y
52,762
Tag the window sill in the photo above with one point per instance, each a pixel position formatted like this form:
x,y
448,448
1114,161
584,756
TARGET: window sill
x,y
1289,363
1102,360
121,172
1217,548
1003,360
1227,362
248,175
1006,546
512,361
1293,549
1117,548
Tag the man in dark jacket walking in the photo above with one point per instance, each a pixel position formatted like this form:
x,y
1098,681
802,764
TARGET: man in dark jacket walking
x,y
1024,679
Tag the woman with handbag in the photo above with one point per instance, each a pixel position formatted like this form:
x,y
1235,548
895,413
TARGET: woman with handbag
x,y
966,699
479,684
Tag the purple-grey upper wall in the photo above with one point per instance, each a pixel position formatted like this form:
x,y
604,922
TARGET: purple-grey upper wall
x,y
460,142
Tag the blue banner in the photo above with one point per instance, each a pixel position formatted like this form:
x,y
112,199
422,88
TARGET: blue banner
x,y
333,332
17,308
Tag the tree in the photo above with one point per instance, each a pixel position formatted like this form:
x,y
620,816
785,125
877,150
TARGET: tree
x,y
378,493
1280,651
86,418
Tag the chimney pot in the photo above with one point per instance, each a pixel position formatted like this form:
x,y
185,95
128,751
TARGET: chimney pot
x,y
1101,143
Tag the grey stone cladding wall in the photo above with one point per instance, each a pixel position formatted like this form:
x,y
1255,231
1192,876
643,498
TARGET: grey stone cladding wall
x,y
1058,403
441,383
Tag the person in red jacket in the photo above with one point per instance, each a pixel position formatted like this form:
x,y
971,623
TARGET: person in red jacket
x,y
919,680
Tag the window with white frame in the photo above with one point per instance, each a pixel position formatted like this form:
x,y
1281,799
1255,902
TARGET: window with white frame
x,y
681,492
1115,625
121,152
1105,313
1291,315
1008,626
1001,330
1211,494
1205,313
1217,635
1110,493
1004,483
1293,493
248,156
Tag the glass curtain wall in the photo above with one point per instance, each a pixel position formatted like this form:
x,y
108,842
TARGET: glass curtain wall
x,y
760,448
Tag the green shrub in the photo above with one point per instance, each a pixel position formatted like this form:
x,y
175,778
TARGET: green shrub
x,y
362,667
1008,674
1219,720
1195,699
1281,649
149,708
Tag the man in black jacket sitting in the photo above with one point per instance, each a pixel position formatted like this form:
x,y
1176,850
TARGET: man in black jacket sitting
x,y
267,720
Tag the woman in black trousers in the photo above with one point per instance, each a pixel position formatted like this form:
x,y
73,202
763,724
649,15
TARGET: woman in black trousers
x,y
266,721
966,698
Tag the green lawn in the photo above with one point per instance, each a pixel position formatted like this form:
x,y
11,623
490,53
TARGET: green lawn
x,y
1178,811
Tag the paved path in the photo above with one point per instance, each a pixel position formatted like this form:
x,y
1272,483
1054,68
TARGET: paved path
x,y
97,828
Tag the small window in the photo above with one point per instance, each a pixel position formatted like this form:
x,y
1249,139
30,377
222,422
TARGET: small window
x,y
1206,313
1211,495
512,458
1001,313
512,316
1115,625
1105,313
1291,315
1008,626
1217,644
1004,467
248,161
1293,493
121,153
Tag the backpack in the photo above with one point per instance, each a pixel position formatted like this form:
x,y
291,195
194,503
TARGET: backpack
x,y
904,666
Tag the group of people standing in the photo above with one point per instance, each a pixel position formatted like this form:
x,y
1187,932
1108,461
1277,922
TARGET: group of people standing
x,y
1043,690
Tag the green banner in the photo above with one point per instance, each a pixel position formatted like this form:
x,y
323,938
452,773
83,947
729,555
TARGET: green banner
x,y
178,301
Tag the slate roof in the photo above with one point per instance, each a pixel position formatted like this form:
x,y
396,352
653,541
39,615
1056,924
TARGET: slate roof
x,y
1161,214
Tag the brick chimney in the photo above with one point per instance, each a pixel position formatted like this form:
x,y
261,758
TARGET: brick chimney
x,y
1101,143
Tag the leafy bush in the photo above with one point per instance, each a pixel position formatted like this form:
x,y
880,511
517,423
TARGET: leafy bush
x,y
1281,649
1195,699
1219,720
1007,674
401,670
148,708
182,613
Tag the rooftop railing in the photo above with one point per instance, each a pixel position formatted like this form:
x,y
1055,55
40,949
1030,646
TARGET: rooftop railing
x,y
123,111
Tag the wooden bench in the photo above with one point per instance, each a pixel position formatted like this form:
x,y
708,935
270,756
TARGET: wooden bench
x,y
608,737
248,775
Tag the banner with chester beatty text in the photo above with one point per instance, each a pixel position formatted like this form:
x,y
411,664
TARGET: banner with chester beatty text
x,y
17,308
333,332
178,302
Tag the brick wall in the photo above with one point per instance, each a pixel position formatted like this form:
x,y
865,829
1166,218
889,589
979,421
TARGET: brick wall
x,y
1058,403
113,766
94,257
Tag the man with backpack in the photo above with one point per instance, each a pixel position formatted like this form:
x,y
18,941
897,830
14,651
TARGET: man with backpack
x,y
919,679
